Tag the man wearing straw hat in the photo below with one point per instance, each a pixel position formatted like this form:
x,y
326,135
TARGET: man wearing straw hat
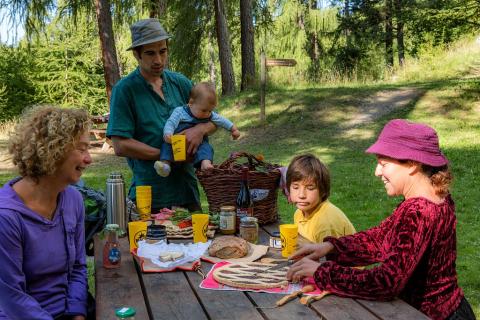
x,y
140,105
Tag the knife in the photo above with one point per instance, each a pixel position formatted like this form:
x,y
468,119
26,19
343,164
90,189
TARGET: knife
x,y
281,265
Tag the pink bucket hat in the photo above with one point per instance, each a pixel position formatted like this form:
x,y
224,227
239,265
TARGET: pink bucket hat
x,y
404,140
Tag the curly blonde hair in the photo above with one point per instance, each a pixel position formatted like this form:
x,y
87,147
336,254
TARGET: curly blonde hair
x,y
42,138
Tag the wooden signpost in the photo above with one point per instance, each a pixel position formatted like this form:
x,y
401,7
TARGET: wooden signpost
x,y
264,63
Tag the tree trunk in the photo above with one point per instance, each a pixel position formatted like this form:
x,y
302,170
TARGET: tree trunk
x,y
224,50
248,48
400,24
107,43
157,8
211,59
388,33
347,19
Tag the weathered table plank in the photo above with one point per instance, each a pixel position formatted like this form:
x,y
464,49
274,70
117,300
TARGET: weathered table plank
x,y
222,304
171,297
116,288
269,228
333,307
291,310
394,310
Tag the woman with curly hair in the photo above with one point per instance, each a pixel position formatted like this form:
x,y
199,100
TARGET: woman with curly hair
x,y
42,246
413,251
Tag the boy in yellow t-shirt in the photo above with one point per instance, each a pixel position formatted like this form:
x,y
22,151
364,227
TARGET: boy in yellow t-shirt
x,y
308,181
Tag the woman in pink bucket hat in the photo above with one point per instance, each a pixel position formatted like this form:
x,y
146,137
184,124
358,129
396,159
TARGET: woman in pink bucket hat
x,y
414,249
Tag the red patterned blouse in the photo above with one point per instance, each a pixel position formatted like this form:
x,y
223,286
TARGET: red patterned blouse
x,y
415,252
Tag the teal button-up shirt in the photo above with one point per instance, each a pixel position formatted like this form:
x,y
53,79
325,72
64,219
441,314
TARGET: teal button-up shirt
x,y
138,112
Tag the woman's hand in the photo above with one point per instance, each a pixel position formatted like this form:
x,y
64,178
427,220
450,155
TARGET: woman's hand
x,y
78,318
309,255
313,251
304,268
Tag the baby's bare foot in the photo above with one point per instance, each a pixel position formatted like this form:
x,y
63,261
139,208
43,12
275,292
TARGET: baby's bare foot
x,y
206,165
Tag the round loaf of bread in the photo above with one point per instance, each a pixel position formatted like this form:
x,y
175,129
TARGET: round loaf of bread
x,y
228,247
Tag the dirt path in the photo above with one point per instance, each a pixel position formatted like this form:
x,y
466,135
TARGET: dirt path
x,y
382,103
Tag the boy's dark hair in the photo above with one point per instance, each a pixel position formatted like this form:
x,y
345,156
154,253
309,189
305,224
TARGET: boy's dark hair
x,y
309,167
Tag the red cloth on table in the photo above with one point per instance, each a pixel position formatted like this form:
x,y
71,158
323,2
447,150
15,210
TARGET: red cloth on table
x,y
415,249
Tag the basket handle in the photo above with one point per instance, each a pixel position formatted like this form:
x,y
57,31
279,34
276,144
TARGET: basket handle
x,y
253,162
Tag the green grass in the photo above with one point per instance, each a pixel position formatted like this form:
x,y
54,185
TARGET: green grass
x,y
312,119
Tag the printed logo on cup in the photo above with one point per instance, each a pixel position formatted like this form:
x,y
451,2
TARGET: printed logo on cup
x,y
140,235
205,229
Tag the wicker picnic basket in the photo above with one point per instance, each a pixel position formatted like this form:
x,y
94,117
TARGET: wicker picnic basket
x,y
222,185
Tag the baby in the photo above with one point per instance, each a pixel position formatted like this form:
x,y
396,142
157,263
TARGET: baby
x,y
308,181
199,109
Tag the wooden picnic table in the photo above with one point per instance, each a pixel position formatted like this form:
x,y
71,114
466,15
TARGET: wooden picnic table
x,y
176,295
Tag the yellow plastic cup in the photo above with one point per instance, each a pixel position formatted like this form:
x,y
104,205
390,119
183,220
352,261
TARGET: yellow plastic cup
x,y
200,227
137,230
179,147
288,236
144,190
144,201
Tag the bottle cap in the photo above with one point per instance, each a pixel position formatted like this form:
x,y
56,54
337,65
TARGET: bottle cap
x,y
125,312
276,234
249,219
112,227
116,175
227,208
156,232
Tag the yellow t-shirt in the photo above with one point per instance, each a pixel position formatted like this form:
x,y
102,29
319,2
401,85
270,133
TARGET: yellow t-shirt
x,y
326,220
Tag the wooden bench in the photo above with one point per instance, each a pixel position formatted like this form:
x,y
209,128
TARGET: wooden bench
x,y
100,138
100,134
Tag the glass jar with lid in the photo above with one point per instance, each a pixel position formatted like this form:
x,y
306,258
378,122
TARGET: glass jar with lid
x,y
227,219
156,233
275,241
249,229
111,250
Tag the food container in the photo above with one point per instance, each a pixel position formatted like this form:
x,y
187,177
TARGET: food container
x,y
227,219
155,233
275,241
249,229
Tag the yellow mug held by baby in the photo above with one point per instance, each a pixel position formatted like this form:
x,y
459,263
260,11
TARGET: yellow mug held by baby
x,y
137,230
179,147
288,236
200,227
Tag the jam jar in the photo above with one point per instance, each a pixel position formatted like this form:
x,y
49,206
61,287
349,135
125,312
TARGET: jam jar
x,y
249,229
227,219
